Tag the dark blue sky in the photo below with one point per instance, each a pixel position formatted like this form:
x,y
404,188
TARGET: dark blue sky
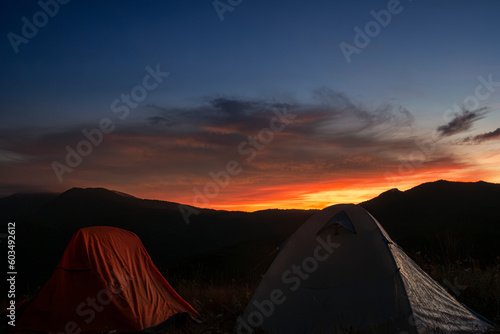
x,y
425,60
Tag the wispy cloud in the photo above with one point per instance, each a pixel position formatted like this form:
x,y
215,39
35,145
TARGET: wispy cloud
x,y
12,157
158,120
169,150
493,135
462,121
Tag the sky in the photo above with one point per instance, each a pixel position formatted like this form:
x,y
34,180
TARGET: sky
x,y
248,105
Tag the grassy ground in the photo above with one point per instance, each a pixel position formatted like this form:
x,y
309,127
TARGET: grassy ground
x,y
221,296
476,286
220,300
218,296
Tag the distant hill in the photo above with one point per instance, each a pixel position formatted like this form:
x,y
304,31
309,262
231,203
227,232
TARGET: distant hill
x,y
458,216
219,239
436,216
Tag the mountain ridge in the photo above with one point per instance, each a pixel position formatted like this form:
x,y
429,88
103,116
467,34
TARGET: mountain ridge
x,y
418,219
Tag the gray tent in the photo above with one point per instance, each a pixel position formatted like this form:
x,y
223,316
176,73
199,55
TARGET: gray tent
x,y
340,271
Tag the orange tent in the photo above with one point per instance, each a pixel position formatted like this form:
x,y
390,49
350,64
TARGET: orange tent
x,y
105,281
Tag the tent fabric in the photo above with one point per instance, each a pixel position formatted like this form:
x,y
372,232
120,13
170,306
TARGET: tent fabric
x,y
433,307
341,219
337,281
105,281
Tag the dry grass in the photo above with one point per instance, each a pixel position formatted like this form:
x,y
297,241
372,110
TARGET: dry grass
x,y
221,300
219,305
474,285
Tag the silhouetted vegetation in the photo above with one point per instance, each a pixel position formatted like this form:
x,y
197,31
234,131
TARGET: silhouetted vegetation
x,y
216,259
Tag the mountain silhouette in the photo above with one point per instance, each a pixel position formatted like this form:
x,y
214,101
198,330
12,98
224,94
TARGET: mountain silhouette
x,y
432,217
439,214
215,238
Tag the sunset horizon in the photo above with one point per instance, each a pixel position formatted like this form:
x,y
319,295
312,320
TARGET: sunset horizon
x,y
337,109
236,166
303,200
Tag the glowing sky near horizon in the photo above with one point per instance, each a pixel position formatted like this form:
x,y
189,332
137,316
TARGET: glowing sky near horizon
x,y
268,90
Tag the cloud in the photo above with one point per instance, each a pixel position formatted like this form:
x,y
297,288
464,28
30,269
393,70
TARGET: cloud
x,y
172,150
462,121
493,135
386,113
14,157
332,124
161,121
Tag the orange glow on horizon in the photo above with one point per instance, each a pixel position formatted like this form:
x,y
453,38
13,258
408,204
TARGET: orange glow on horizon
x,y
316,195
